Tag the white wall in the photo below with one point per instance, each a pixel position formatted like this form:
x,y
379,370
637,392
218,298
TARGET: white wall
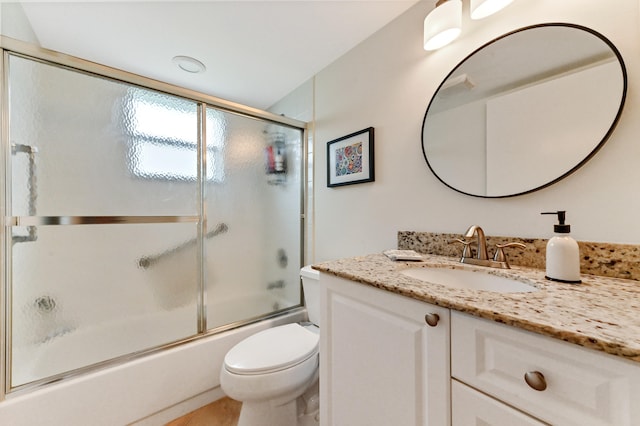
x,y
14,23
387,82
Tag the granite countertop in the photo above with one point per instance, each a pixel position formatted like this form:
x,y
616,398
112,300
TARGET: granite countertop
x,y
601,313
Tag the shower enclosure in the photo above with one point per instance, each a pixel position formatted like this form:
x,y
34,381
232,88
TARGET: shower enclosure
x,y
137,216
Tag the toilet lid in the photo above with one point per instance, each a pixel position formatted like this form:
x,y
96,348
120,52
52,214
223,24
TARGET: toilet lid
x,y
272,350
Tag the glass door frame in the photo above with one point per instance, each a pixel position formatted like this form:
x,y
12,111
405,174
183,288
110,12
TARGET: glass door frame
x,y
11,46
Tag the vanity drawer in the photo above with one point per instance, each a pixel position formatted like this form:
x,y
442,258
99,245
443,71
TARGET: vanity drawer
x,y
583,387
470,407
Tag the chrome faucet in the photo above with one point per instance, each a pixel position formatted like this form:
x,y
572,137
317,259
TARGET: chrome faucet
x,y
482,256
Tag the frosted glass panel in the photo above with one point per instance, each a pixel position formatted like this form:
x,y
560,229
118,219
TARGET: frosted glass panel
x,y
85,145
84,294
96,145
252,268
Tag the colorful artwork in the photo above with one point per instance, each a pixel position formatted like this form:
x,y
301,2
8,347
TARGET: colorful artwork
x,y
349,159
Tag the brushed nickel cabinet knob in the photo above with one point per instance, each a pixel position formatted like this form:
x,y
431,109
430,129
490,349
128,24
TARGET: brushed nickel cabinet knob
x,y
432,319
535,380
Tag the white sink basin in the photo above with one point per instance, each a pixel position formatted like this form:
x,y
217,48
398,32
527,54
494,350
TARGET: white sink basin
x,y
460,278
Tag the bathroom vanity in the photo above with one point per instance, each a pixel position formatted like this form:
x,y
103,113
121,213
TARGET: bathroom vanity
x,y
380,363
399,350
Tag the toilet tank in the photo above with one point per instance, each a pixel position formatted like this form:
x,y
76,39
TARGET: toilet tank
x,y
311,287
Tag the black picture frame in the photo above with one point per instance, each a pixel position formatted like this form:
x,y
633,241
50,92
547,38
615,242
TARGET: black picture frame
x,y
350,159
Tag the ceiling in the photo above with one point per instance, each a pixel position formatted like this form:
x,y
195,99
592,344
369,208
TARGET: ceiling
x,y
255,52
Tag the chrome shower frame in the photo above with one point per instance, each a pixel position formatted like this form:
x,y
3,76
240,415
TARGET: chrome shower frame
x,y
9,46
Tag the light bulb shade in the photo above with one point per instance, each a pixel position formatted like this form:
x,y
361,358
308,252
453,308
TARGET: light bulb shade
x,y
443,25
483,8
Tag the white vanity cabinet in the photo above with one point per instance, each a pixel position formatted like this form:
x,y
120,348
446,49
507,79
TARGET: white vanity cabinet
x,y
575,386
381,364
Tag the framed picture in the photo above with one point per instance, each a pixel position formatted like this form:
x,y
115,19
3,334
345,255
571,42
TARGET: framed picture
x,y
350,159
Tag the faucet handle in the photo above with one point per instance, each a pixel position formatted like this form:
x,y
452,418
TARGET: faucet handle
x,y
467,251
499,256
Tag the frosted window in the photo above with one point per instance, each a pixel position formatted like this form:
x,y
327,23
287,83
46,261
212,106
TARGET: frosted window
x,y
159,118
164,143
162,160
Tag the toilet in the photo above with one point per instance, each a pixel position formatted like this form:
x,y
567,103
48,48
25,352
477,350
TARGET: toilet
x,y
274,373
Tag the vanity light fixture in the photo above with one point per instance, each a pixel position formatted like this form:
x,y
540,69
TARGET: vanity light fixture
x,y
189,64
483,8
443,24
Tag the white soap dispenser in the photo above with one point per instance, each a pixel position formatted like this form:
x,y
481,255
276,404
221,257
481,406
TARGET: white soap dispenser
x,y
563,255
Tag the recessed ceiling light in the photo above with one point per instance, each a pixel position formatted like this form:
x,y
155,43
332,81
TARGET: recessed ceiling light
x,y
189,64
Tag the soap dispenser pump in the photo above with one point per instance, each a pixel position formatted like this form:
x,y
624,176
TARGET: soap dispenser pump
x,y
563,255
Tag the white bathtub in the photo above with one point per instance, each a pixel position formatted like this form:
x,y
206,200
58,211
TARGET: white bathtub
x,y
76,347
152,389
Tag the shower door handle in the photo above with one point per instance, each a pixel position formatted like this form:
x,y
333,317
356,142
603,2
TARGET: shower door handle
x,y
31,151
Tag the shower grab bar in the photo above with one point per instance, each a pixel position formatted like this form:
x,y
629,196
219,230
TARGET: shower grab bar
x,y
96,220
147,261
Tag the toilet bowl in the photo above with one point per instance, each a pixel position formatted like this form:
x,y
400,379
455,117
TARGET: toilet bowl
x,y
274,373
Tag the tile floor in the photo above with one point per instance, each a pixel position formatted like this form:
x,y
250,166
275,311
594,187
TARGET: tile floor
x,y
223,412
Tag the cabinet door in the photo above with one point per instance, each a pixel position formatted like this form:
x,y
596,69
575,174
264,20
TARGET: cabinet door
x,y
470,407
380,362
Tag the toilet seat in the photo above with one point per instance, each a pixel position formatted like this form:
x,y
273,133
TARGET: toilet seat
x,y
272,350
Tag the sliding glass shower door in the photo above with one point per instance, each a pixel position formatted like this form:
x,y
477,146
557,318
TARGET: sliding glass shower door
x,y
138,218
254,192
86,216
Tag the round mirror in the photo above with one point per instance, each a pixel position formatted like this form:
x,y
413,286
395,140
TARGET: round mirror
x,y
524,110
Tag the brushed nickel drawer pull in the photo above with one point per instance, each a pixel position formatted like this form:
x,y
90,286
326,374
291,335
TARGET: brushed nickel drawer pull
x,y
432,319
535,380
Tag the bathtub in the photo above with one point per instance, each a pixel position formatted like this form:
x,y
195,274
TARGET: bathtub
x,y
71,347
147,390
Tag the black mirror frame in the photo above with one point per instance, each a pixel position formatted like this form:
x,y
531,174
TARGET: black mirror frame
x,y
581,163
